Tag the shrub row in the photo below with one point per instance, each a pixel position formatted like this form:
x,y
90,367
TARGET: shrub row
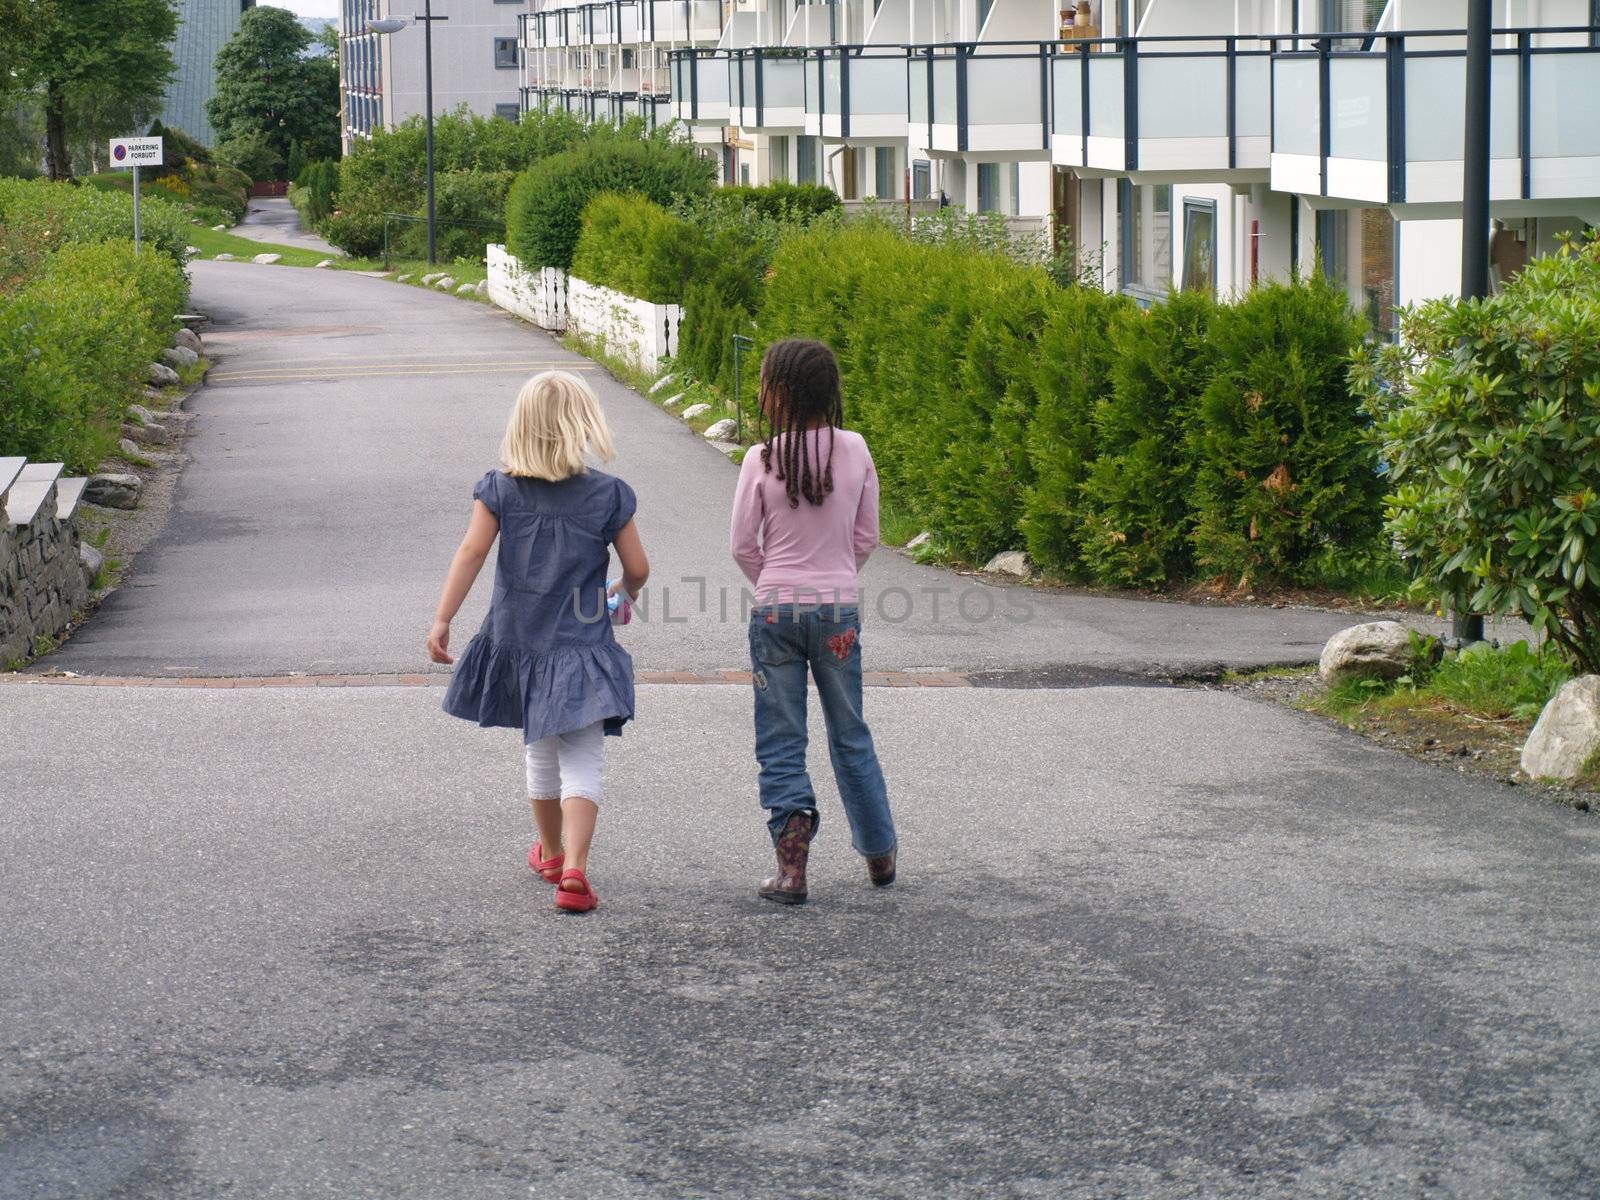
x,y
62,213
74,346
633,245
1122,445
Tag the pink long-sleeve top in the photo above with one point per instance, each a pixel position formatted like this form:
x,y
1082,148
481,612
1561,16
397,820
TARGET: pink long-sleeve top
x,y
808,554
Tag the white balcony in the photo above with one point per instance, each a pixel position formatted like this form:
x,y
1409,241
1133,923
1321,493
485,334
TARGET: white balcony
x,y
1379,120
1164,109
700,87
982,99
767,89
857,93
674,21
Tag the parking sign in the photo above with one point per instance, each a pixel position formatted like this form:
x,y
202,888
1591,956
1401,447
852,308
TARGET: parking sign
x,y
136,152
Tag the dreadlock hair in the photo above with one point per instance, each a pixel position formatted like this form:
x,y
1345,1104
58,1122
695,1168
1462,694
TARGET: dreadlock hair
x,y
800,390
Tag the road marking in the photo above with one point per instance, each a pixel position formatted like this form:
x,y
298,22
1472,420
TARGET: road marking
x,y
418,370
442,679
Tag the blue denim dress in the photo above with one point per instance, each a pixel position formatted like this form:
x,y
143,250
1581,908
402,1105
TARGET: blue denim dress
x,y
545,660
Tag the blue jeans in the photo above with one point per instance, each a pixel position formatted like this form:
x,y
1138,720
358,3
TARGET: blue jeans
x,y
784,641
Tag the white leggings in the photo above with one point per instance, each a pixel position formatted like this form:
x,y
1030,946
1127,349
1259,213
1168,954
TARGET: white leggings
x,y
568,764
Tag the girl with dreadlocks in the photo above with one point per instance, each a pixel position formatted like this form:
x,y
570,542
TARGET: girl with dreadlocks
x,y
805,518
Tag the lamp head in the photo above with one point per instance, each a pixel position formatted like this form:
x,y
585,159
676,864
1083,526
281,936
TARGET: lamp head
x,y
387,25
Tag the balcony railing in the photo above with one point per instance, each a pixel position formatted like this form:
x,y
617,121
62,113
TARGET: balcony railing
x,y
856,92
982,98
1377,119
767,88
1172,106
700,86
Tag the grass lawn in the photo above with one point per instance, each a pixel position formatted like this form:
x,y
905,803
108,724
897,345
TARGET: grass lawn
x,y
211,242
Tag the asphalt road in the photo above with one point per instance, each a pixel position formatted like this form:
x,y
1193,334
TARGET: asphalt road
x,y
337,443
1146,943
273,219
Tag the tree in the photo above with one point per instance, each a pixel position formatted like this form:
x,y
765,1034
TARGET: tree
x,y
23,24
268,85
103,66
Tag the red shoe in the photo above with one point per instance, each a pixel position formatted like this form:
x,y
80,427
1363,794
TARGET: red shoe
x,y
569,900
548,868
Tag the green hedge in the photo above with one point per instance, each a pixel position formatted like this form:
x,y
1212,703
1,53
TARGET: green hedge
x,y
74,347
635,246
65,213
544,213
1120,446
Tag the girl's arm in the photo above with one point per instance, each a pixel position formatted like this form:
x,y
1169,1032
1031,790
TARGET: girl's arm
x,y
482,529
744,536
866,526
635,566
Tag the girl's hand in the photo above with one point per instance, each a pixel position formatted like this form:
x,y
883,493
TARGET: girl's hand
x,y
439,643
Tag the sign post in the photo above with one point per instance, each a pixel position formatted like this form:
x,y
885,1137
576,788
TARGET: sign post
x,y
136,152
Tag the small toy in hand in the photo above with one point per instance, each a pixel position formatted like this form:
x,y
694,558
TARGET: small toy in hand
x,y
617,605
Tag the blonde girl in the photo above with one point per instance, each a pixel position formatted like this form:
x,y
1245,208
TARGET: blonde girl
x,y
546,660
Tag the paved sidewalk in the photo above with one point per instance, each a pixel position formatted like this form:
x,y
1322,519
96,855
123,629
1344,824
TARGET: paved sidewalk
x,y
337,444
1147,942
274,219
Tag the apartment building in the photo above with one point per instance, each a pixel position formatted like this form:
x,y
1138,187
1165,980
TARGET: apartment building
x,y
477,62
1205,144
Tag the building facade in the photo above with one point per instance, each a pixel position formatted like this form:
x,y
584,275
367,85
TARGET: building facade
x,y
204,27
477,61
1208,144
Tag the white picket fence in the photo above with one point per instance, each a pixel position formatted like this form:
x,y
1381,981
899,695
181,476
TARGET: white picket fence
x,y
636,330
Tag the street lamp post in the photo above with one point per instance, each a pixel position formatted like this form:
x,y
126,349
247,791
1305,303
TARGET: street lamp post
x,y
395,25
1468,627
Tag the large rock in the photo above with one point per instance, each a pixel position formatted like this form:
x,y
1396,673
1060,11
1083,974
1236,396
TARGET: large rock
x,y
447,284
113,490
192,251
179,358
161,375
91,559
921,540
224,257
433,277
219,228
1376,650
325,263
141,414
150,432
188,339
1011,562
467,289
1567,734
694,410
402,278
664,382
482,289
267,260
722,430
674,401
128,448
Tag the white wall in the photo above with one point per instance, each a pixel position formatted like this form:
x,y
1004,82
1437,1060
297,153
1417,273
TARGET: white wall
x,y
463,60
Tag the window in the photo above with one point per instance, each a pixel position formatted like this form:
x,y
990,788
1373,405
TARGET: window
x,y
505,52
1200,246
509,112
988,187
778,159
1144,216
921,179
883,172
744,174
805,159
1014,200
628,60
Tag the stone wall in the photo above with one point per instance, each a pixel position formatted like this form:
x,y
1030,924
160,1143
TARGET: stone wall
x,y
43,580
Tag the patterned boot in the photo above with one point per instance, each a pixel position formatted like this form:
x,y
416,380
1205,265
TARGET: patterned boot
x,y
880,869
788,886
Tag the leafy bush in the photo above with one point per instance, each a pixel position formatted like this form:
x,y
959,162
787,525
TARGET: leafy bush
x,y
1137,491
544,213
1287,470
1069,373
780,201
253,153
1490,425
74,347
316,184
358,234
61,213
637,247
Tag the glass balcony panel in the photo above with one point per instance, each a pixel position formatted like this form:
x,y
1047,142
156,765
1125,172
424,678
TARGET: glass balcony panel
x,y
944,91
1183,97
1564,91
831,96
1252,115
1105,96
1003,91
1068,87
917,108
1435,132
1358,108
783,84
1294,107
877,86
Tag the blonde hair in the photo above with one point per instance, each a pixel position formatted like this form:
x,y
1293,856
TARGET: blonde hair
x,y
555,419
